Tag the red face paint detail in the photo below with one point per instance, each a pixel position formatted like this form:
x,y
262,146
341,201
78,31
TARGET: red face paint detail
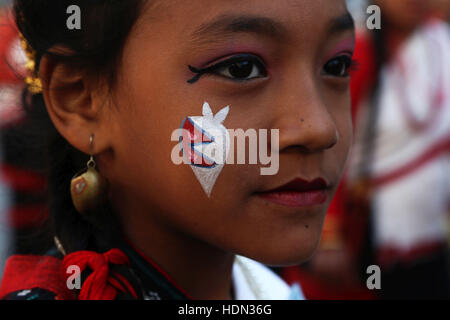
x,y
190,135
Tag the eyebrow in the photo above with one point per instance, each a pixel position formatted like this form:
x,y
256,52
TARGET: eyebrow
x,y
342,23
226,25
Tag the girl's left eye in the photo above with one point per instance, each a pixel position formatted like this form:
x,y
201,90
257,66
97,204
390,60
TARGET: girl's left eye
x,y
242,70
339,66
241,67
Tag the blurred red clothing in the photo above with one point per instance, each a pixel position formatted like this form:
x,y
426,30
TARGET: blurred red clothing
x,y
22,182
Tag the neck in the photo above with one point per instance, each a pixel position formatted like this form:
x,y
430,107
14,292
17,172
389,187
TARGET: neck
x,y
203,271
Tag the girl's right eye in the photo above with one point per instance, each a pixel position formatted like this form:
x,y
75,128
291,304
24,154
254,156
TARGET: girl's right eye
x,y
339,66
243,67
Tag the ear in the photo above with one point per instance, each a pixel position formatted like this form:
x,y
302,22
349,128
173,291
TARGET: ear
x,y
74,104
222,114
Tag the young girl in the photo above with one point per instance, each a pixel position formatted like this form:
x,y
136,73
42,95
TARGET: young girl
x,y
111,91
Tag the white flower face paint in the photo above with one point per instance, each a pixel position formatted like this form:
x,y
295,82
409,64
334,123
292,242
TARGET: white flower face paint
x,y
205,145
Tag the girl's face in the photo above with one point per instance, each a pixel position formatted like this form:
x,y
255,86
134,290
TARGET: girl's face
x,y
291,74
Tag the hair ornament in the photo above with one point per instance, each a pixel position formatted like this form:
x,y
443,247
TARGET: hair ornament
x,y
32,80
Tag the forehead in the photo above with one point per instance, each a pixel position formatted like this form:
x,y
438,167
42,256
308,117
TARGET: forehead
x,y
305,20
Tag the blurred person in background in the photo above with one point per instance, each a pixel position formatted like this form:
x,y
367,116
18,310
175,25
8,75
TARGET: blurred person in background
x,y
391,209
6,98
22,199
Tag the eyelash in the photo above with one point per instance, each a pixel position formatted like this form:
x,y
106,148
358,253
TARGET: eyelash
x,y
349,64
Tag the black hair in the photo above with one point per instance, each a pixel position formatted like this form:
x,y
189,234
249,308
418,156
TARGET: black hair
x,y
35,144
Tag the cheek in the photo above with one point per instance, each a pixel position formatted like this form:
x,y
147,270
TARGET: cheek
x,y
146,150
144,167
146,170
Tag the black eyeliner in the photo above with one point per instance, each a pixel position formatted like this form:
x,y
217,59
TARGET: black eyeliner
x,y
198,72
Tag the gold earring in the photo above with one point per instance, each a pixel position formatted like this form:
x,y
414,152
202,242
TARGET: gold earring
x,y
88,188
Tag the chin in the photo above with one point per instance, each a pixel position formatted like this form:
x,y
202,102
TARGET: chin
x,y
288,253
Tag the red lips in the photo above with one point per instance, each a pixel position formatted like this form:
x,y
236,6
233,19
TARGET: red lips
x,y
301,185
299,193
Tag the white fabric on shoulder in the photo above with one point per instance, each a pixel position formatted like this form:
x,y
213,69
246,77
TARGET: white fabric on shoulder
x,y
254,281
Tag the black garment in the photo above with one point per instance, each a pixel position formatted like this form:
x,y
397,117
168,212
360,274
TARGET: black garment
x,y
425,279
154,285
31,294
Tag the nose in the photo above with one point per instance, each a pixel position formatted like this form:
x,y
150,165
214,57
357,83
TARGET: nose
x,y
304,120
